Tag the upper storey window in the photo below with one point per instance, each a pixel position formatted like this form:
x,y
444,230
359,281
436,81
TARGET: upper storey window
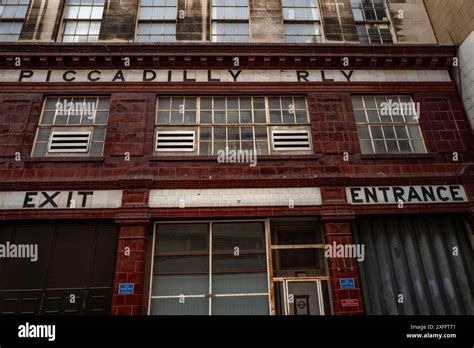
x,y
302,21
12,15
157,21
82,20
372,21
230,21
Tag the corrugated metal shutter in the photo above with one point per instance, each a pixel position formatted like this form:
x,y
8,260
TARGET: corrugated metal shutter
x,y
413,256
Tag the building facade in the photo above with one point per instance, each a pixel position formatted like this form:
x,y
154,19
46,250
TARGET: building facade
x,y
453,23
232,157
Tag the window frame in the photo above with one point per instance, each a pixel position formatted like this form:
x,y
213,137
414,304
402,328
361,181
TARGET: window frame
x,y
14,20
219,21
365,23
210,271
152,21
65,21
316,22
268,125
370,124
53,127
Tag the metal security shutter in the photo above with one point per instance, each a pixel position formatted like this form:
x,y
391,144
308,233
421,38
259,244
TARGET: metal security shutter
x,y
73,258
413,256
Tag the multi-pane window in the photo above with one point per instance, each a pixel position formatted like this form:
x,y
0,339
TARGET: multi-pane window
x,y
372,21
230,21
196,272
157,21
82,20
206,125
302,21
388,124
72,126
12,15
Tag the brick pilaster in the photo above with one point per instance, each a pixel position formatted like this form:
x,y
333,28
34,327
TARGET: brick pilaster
x,y
129,268
337,228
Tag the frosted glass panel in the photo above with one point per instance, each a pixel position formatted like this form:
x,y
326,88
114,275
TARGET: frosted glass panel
x,y
245,305
191,306
238,283
177,285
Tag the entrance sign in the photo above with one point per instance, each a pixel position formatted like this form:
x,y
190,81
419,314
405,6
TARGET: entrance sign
x,y
347,283
406,194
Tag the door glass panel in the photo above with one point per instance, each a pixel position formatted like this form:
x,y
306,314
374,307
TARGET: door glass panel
x,y
304,297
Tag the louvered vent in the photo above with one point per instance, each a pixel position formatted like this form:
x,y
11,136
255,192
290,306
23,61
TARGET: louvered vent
x,y
72,141
291,140
175,141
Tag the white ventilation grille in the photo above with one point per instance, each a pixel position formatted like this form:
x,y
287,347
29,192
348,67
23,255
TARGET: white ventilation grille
x,y
291,140
175,141
71,141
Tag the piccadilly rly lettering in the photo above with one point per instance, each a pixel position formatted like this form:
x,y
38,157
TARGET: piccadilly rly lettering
x,y
171,76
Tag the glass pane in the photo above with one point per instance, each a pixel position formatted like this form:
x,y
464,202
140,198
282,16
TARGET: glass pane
x,y
181,264
176,285
173,306
239,283
242,262
298,259
181,237
245,305
245,235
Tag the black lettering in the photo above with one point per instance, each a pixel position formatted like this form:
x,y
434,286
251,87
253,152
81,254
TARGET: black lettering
x,y
49,199
235,76
48,76
169,75
384,191
28,198
69,79
119,76
185,77
412,194
371,195
348,77
145,75
323,76
428,194
69,199
93,79
209,77
355,195
302,75
398,194
456,193
440,196
25,74
84,197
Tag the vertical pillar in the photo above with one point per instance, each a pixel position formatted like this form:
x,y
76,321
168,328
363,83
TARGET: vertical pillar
x,y
130,268
337,229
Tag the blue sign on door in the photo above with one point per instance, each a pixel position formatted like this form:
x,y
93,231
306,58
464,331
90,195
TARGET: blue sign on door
x,y
126,289
347,283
